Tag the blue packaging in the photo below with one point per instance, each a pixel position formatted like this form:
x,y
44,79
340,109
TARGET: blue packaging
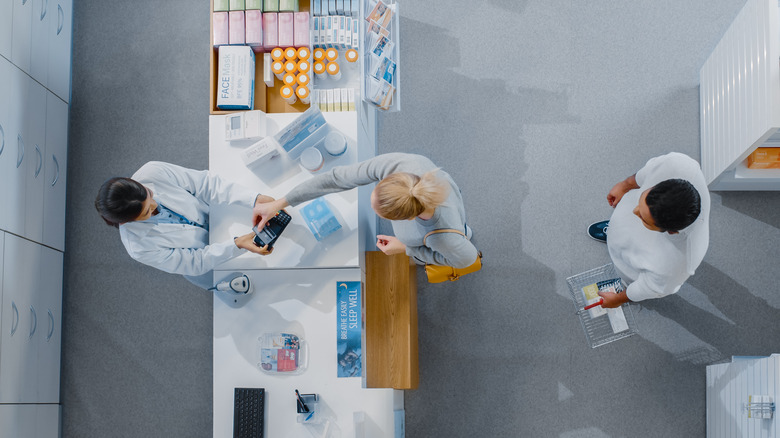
x,y
320,219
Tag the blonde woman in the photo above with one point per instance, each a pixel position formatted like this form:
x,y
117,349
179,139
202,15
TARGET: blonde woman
x,y
412,193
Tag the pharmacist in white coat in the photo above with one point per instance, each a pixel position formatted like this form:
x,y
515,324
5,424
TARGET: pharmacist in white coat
x,y
659,232
162,213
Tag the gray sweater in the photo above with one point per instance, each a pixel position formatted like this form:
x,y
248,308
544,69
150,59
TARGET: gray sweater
x,y
447,249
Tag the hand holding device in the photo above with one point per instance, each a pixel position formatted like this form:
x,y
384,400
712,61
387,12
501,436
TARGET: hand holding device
x,y
247,242
264,210
267,235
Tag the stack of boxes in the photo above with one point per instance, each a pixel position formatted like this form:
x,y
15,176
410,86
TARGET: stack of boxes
x,y
260,24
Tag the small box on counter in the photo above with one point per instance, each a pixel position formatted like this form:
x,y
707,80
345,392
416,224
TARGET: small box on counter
x,y
254,5
221,5
237,5
288,5
764,158
235,77
271,6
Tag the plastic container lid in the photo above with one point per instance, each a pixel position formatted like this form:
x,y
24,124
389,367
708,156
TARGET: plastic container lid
x,y
302,92
303,53
282,353
290,66
290,53
331,54
319,54
289,79
286,91
304,66
277,54
335,143
277,67
319,67
351,55
303,79
332,68
311,159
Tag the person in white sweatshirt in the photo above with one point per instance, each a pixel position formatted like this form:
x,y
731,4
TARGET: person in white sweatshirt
x,y
659,232
162,213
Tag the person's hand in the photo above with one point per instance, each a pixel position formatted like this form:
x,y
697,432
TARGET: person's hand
x,y
389,245
616,194
247,242
264,211
612,300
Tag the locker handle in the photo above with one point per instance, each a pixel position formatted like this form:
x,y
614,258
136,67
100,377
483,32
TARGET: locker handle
x,y
20,150
57,170
34,323
44,8
60,19
40,161
51,327
2,139
14,324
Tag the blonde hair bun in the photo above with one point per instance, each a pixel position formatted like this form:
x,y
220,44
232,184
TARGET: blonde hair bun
x,y
404,195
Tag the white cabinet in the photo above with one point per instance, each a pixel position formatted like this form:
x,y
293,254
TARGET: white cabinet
x,y
22,34
6,27
35,128
55,172
60,36
29,421
12,157
31,322
39,40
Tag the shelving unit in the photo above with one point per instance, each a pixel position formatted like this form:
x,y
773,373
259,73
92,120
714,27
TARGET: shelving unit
x,y
740,100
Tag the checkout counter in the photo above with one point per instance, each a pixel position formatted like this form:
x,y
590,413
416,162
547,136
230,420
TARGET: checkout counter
x,y
294,291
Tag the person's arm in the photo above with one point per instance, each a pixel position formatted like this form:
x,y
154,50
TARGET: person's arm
x,y
445,249
616,194
612,299
338,179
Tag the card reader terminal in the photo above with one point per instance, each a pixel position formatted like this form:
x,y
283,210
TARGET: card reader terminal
x,y
272,230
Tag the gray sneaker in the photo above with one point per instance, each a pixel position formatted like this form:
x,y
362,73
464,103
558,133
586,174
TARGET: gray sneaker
x,y
598,231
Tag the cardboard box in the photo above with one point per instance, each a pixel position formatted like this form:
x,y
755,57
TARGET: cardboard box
x,y
266,98
236,76
764,158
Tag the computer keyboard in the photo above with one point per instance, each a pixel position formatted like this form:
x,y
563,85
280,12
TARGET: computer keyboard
x,y
248,412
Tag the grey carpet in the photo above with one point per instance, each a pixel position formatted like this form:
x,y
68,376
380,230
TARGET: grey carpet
x,y
536,108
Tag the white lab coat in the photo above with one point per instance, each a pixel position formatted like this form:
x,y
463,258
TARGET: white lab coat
x,y
180,248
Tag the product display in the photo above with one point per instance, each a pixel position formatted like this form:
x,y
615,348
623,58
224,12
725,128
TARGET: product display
x,y
281,353
379,55
236,70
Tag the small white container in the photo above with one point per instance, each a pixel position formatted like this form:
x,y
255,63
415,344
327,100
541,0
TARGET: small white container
x,y
311,159
335,143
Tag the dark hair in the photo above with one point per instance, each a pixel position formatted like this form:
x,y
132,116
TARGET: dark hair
x,y
120,200
674,204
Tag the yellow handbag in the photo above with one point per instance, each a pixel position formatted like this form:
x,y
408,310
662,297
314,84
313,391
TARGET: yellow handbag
x,y
439,274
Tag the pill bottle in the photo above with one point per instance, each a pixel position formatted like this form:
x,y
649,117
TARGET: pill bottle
x,y
319,70
302,79
304,66
278,68
351,55
333,70
303,53
289,79
277,54
319,54
302,92
287,94
290,53
331,54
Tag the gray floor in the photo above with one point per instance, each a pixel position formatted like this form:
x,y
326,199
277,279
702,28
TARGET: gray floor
x,y
536,108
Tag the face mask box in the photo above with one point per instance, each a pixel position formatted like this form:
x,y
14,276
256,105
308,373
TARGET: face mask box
x,y
235,78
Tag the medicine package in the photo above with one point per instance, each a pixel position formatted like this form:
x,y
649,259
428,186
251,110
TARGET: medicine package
x,y
235,77
320,219
305,131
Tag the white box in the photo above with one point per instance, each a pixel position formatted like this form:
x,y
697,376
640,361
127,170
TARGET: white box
x,y
351,98
268,75
323,100
345,100
348,34
315,35
342,31
261,151
235,77
331,104
246,125
355,36
337,99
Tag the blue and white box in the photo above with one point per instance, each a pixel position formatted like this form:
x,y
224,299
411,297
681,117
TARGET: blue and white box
x,y
235,78
320,219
